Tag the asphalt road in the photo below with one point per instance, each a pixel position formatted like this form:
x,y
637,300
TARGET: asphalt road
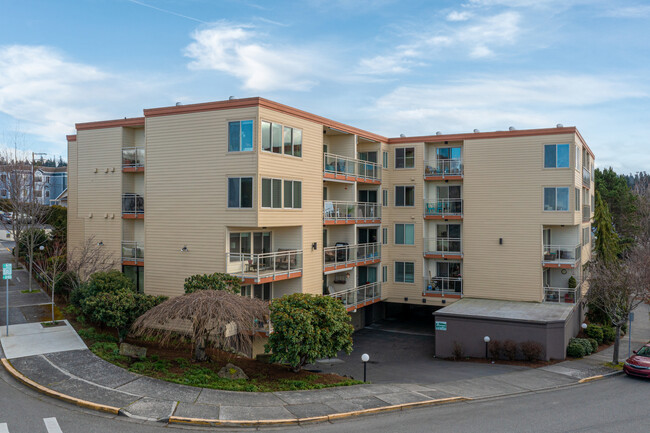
x,y
618,404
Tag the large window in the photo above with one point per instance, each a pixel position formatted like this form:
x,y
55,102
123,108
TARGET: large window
x,y
448,238
585,236
404,234
384,274
384,235
404,272
404,196
272,193
405,157
240,192
292,194
556,155
385,160
240,136
556,199
240,246
281,139
577,199
259,291
136,275
384,197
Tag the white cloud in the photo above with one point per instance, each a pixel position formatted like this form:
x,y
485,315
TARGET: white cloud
x,y
458,16
640,11
238,51
500,29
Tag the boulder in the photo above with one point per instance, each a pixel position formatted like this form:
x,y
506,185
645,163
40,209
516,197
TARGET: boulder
x,y
132,351
231,371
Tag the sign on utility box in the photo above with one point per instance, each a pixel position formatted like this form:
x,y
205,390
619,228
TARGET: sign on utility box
x,y
441,326
6,271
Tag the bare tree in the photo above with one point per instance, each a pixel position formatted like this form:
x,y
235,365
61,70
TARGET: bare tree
x,y
225,319
50,265
88,258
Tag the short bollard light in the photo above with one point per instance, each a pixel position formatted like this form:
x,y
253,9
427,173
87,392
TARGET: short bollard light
x,y
583,326
487,341
365,358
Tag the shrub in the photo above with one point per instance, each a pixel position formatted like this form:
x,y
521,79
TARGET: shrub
x,y
40,238
575,350
595,314
65,283
586,345
572,282
509,350
531,350
457,351
101,282
594,344
609,334
595,331
216,281
494,347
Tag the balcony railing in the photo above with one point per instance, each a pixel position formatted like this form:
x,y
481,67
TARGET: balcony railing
x,y
351,254
443,245
586,213
259,266
443,285
132,157
344,166
567,254
132,204
561,295
443,167
132,251
586,176
350,211
442,207
360,296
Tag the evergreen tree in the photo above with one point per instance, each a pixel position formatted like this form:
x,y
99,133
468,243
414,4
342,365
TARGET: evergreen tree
x,y
621,201
607,241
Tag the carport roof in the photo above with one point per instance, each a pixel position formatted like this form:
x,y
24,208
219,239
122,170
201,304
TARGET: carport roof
x,y
507,310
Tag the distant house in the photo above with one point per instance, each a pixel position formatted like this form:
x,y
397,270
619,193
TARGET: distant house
x,y
62,199
48,183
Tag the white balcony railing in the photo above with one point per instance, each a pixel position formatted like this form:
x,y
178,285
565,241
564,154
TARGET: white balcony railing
x,y
357,297
132,204
442,207
132,251
342,211
351,254
561,254
561,295
258,266
443,167
443,245
343,165
444,285
132,157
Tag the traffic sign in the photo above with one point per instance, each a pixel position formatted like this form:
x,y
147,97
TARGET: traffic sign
x,y
6,271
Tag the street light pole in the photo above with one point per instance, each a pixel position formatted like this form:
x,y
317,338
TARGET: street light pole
x,y
487,341
364,358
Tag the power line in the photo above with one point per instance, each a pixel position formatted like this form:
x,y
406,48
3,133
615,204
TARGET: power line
x,y
167,11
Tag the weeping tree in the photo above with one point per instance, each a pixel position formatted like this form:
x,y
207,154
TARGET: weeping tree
x,y
217,317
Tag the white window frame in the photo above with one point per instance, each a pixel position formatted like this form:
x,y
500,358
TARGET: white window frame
x,y
272,179
568,209
252,149
404,233
404,273
404,195
283,128
404,158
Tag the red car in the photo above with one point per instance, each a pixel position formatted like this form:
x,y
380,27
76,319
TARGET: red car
x,y
639,363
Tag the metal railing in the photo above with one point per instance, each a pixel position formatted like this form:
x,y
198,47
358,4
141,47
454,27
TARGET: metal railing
x,y
263,265
586,176
444,285
586,213
561,295
561,253
445,206
443,167
132,251
343,165
443,245
350,210
357,296
132,157
132,204
351,254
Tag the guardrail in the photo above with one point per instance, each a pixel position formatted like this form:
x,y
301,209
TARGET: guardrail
x,y
132,204
561,253
447,206
132,251
351,254
443,167
444,285
561,295
443,245
132,157
358,296
258,266
343,211
343,165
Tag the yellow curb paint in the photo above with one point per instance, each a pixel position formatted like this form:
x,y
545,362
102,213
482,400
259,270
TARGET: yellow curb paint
x,y
50,392
590,379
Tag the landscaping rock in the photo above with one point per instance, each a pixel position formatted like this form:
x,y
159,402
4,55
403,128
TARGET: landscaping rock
x,y
231,371
132,351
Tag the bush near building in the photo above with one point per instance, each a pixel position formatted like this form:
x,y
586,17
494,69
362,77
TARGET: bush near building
x,y
595,331
531,350
216,281
579,347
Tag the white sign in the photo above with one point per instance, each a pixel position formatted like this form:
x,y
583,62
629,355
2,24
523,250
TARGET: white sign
x,y
6,271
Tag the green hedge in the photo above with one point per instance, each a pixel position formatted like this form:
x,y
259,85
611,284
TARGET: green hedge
x,y
575,350
595,331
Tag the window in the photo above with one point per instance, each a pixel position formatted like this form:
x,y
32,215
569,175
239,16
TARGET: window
x,y
448,237
240,136
577,157
577,199
39,193
47,193
404,196
368,156
240,192
292,194
585,236
259,291
404,272
556,199
266,136
384,274
271,193
384,197
385,160
593,203
405,157
276,137
240,246
404,234
384,235
556,155
136,275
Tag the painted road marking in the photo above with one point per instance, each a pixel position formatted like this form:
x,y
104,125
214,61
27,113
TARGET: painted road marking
x,y
51,425
4,428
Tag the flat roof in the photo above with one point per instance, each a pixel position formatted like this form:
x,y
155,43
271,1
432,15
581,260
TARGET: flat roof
x,y
507,310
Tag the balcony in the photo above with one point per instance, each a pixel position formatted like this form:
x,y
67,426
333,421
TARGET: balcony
x,y
342,168
561,256
132,206
586,213
444,209
359,297
348,256
439,169
351,212
561,296
443,286
132,159
266,267
132,253
443,248
586,177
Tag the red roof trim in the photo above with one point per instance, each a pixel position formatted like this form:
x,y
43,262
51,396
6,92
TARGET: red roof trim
x,y
133,121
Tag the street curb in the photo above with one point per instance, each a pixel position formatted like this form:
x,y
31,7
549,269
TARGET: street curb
x,y
51,393
600,376
314,419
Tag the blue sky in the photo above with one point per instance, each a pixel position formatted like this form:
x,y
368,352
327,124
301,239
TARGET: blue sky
x,y
391,67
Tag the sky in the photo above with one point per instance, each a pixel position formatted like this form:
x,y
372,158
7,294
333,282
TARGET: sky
x,y
387,66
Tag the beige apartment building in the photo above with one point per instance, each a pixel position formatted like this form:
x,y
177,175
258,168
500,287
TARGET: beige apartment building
x,y
489,225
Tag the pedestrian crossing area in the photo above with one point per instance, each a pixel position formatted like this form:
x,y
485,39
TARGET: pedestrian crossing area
x,y
51,426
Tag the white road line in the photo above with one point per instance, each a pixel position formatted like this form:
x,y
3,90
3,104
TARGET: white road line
x,y
4,428
51,425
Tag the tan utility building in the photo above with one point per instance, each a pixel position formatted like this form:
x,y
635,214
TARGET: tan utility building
x,y
294,202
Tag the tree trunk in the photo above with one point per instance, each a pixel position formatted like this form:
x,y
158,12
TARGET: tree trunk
x,y
31,268
199,350
617,340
